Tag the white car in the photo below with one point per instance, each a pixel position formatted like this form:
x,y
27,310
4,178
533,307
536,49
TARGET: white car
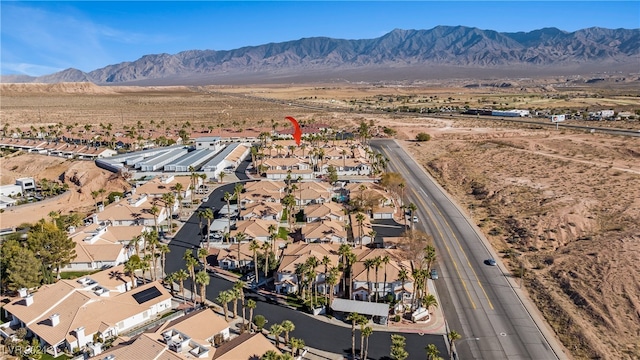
x,y
415,219
205,199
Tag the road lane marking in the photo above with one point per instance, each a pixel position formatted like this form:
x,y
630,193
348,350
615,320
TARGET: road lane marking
x,y
465,255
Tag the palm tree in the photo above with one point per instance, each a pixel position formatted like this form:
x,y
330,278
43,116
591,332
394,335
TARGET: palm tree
x,y
363,321
235,296
169,280
169,200
180,276
288,326
325,261
267,248
354,318
208,214
432,352
453,336
224,297
296,345
155,211
255,246
237,190
343,251
360,219
227,197
412,208
202,279
240,237
331,281
191,263
368,264
377,262
145,265
429,300
130,268
152,243
251,305
402,185
202,255
276,330
403,276
367,331
385,260
54,215
272,236
270,355
239,287
178,188
429,256
164,249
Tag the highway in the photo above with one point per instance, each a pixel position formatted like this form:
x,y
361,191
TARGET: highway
x,y
478,300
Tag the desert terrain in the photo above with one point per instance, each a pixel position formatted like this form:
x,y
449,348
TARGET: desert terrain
x,y
564,205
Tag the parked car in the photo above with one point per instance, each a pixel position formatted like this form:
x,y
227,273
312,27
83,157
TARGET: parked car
x,y
205,199
434,274
415,218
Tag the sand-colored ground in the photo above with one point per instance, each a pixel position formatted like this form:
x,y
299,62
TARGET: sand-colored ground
x,y
564,204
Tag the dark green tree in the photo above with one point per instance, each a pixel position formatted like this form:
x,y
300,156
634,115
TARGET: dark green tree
x,y
52,246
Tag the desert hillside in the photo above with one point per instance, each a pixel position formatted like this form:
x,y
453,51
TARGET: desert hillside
x,y
566,206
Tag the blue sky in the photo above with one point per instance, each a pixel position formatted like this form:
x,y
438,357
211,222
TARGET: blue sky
x,y
39,38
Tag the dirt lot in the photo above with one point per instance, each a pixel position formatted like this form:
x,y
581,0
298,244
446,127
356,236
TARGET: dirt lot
x,y
563,203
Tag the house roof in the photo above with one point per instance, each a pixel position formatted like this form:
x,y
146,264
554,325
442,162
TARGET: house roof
x,y
262,209
254,227
201,326
323,210
146,346
245,347
324,229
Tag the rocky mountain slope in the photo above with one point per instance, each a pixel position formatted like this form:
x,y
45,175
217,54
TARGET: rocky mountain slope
x,y
441,47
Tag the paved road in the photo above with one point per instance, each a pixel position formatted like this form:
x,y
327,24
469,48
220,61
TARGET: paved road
x,y
478,300
316,333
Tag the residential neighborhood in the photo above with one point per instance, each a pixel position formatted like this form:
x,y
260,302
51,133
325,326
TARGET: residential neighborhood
x,y
297,225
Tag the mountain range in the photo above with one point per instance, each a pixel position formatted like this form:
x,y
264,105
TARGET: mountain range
x,y
399,54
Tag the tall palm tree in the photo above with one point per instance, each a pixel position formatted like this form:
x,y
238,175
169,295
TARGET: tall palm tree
x,y
429,256
251,305
351,259
163,249
354,317
152,243
239,287
254,246
363,321
224,297
272,236
145,265
155,211
208,214
235,296
178,188
325,261
227,197
403,276
360,219
288,326
366,332
343,251
191,263
180,276
412,208
240,237
331,281
237,191
368,265
276,330
202,255
377,262
169,200
452,336
202,279
385,260
266,248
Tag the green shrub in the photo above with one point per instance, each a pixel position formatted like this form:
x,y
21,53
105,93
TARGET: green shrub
x,y
423,137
